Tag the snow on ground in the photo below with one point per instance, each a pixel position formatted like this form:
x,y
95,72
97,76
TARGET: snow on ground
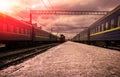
x,y
69,60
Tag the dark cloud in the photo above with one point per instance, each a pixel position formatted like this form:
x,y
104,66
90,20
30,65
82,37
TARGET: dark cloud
x,y
103,5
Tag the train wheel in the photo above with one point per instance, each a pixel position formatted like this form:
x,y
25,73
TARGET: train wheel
x,y
102,44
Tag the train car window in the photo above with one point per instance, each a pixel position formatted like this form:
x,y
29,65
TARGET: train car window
x,y
17,30
118,21
92,30
102,27
5,27
12,28
8,28
38,32
95,30
109,24
1,27
106,26
26,31
1,24
98,28
112,23
22,31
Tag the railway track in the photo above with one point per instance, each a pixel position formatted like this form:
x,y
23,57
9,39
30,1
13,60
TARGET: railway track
x,y
15,57
114,48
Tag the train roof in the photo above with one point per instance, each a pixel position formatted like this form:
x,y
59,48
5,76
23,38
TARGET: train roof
x,y
108,14
15,19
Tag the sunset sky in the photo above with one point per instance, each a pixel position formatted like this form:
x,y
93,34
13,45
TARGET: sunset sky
x,y
66,24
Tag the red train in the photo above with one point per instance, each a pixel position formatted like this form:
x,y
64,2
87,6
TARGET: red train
x,y
14,32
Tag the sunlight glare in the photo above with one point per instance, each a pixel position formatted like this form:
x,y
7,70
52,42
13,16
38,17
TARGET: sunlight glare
x,y
6,5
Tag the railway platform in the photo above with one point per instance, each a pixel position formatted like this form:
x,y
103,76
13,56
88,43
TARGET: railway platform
x,y
69,59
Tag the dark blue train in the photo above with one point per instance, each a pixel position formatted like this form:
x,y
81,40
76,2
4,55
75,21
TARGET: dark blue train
x,y
104,32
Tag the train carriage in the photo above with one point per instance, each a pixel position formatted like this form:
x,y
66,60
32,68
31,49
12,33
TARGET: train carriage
x,y
76,38
84,36
62,38
53,38
13,30
105,31
40,35
108,28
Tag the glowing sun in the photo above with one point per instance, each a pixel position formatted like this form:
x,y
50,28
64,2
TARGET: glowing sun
x,y
6,5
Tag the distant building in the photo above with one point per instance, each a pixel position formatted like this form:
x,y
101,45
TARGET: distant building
x,y
33,24
26,21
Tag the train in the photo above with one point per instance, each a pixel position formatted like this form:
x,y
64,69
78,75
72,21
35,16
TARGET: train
x,y
14,32
104,32
62,38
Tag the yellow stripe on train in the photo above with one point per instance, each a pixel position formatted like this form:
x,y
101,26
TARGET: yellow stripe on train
x,y
41,36
20,34
110,30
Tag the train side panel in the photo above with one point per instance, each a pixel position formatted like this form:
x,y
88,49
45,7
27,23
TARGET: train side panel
x,y
76,38
53,38
13,30
40,35
84,36
105,31
43,36
109,28
114,35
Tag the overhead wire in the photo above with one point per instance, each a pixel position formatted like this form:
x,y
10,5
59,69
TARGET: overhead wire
x,y
55,15
50,4
44,4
